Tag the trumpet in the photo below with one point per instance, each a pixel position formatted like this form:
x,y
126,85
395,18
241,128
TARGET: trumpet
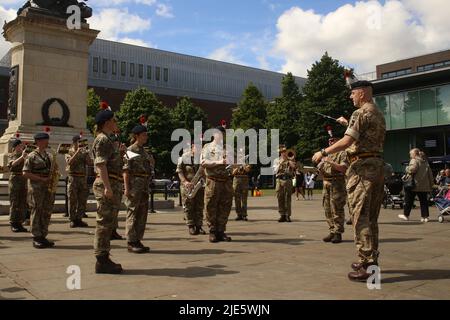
x,y
291,154
64,148
84,144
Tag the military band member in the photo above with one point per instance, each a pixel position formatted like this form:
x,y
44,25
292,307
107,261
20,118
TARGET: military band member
x,y
17,187
219,187
284,172
37,169
137,176
193,208
240,188
78,191
364,139
108,189
333,169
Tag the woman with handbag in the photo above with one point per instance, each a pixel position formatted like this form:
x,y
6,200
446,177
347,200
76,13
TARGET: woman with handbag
x,y
419,182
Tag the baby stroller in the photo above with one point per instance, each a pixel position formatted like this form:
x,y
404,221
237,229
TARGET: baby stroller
x,y
393,192
442,204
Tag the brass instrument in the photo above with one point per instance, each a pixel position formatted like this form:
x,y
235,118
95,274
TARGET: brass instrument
x,y
30,148
291,154
198,182
84,144
54,175
64,148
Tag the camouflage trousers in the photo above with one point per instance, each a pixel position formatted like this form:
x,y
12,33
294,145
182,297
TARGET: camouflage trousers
x,y
218,203
193,208
78,192
365,187
284,196
107,211
40,202
334,200
240,189
137,213
17,199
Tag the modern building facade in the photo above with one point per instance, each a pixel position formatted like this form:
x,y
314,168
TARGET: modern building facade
x,y
117,68
414,95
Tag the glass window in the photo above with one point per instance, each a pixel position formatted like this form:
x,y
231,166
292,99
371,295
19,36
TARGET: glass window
x,y
383,104
396,103
123,68
95,64
141,71
166,75
149,72
438,65
447,63
420,69
114,67
158,73
412,109
428,107
132,70
443,104
105,65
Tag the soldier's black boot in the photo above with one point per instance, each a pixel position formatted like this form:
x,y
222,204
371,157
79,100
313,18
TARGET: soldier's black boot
x,y
78,224
85,215
213,237
134,247
337,238
42,243
115,236
193,231
239,218
104,265
329,238
288,219
282,219
18,228
141,245
200,230
222,237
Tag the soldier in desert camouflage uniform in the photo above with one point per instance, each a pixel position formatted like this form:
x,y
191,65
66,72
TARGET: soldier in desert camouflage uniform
x,y
240,187
108,188
137,175
77,159
284,172
364,139
333,169
219,187
37,169
17,187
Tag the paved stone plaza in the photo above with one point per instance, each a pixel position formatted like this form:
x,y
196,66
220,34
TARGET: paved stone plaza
x,y
266,260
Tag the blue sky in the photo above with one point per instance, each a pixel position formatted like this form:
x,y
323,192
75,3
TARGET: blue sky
x,y
285,35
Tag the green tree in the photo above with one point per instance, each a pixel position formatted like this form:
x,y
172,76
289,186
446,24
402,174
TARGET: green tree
x,y
251,112
284,112
160,125
326,92
186,113
93,106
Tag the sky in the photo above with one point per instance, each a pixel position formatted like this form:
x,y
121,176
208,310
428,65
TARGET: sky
x,y
283,36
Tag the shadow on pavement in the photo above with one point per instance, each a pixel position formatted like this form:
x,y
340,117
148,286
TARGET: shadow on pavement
x,y
293,242
415,275
400,240
191,272
193,252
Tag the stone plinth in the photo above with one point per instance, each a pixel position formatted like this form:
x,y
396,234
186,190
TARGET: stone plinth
x,y
51,62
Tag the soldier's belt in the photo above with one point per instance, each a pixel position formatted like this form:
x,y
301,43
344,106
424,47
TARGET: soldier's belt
x,y
284,177
75,174
41,175
365,155
241,176
140,175
333,178
218,179
113,177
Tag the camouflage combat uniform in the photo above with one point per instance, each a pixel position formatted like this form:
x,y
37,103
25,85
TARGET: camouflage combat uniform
x,y
107,152
284,174
240,189
77,188
17,190
193,208
365,178
335,193
140,171
218,190
40,199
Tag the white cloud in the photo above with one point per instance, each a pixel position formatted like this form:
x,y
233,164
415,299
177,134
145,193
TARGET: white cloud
x,y
136,42
114,3
115,23
226,54
5,15
164,10
362,35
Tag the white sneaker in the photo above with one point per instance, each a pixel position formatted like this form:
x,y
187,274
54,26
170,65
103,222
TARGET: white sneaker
x,y
422,220
403,217
426,220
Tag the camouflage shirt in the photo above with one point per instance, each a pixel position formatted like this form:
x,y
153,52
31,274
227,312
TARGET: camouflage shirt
x,y
214,152
282,168
18,167
339,158
368,128
107,152
187,167
139,165
79,164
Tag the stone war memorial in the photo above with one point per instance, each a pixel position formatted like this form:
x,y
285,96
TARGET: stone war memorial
x,y
49,73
